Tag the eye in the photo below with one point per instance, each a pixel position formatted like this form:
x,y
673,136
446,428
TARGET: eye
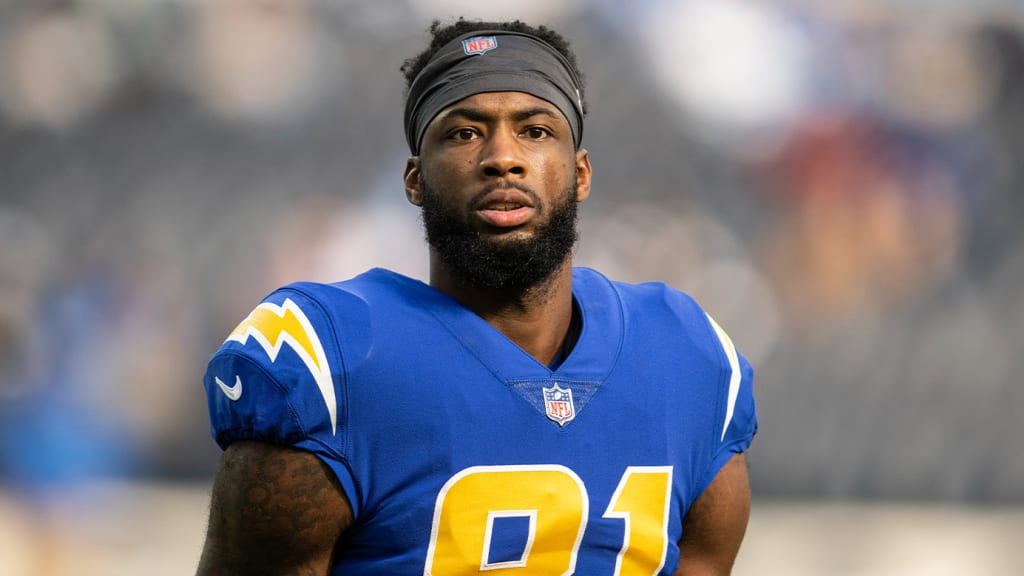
x,y
537,133
463,134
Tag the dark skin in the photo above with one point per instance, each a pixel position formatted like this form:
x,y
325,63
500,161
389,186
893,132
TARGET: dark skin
x,y
280,511
508,137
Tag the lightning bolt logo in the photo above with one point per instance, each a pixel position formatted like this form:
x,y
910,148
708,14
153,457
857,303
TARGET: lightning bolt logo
x,y
274,326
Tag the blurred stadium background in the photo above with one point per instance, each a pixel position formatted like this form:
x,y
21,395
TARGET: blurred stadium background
x,y
838,182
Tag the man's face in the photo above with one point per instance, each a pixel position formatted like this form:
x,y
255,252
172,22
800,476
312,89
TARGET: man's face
x,y
498,179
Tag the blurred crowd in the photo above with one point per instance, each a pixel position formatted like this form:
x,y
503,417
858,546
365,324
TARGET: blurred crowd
x,y
839,186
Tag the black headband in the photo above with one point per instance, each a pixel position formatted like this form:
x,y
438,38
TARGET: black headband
x,y
492,61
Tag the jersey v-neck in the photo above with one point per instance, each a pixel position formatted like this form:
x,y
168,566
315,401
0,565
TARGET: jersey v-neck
x,y
591,359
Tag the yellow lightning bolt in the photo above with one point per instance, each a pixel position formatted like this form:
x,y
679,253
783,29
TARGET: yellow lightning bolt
x,y
273,326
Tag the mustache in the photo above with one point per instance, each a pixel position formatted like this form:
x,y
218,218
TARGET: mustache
x,y
479,197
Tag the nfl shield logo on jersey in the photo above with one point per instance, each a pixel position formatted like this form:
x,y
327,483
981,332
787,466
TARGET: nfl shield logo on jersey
x,y
558,404
479,44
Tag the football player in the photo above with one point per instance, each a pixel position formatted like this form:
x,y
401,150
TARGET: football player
x,y
514,415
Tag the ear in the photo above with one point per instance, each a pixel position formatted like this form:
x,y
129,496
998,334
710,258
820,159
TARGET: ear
x,y
583,174
412,181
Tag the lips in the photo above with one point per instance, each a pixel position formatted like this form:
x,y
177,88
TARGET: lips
x,y
505,208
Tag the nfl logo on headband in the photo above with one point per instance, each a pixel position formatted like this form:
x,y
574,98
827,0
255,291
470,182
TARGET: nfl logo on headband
x,y
479,45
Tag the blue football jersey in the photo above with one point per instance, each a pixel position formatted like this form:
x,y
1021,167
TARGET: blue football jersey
x,y
460,453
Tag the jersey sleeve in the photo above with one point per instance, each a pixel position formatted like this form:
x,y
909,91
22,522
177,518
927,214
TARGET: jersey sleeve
x,y
738,416
272,380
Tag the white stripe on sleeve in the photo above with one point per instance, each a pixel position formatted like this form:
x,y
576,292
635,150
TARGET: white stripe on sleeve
x,y
734,377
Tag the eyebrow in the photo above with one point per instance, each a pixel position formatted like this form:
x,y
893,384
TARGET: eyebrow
x,y
476,115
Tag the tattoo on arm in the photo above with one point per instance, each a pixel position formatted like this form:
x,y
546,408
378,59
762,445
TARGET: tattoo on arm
x,y
274,510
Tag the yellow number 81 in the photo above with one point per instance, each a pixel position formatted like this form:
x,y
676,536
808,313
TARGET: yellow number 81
x,y
554,501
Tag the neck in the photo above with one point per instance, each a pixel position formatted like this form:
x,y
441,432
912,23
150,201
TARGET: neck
x,y
536,318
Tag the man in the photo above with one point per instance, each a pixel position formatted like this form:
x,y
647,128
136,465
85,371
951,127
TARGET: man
x,y
516,415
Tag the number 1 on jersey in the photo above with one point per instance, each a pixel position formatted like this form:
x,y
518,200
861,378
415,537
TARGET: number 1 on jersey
x,y
641,500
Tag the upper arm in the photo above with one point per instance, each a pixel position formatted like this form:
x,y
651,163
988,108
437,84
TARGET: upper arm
x,y
715,524
274,510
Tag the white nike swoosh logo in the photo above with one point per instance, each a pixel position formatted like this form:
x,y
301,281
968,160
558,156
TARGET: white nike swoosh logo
x,y
232,392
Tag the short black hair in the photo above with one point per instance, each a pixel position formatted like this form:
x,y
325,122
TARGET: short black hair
x,y
442,34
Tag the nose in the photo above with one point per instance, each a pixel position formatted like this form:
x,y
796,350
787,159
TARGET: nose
x,y
502,155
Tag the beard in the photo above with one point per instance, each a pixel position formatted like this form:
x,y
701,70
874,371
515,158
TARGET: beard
x,y
500,263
